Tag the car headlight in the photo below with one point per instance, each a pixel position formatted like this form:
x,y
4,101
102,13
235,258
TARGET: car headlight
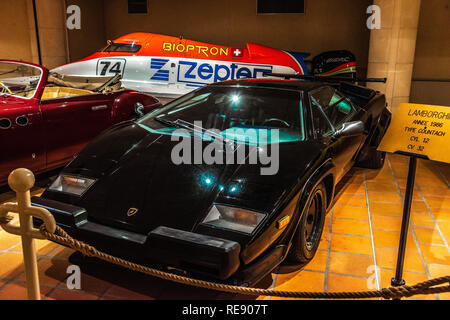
x,y
235,219
71,184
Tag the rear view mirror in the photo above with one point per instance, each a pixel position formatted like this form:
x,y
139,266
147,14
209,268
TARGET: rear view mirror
x,y
351,129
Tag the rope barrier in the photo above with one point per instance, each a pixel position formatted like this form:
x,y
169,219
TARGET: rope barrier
x,y
22,180
426,287
7,219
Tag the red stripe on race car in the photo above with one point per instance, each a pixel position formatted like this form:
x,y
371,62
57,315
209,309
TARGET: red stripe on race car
x,y
300,71
346,65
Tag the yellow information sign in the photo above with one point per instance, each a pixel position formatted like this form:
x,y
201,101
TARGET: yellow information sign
x,y
419,129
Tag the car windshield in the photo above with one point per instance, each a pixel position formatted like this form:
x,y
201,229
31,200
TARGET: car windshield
x,y
122,47
231,110
18,79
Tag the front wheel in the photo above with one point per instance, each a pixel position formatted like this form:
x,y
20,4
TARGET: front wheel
x,y
307,238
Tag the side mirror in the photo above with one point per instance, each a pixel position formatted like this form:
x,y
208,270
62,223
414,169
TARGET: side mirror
x,y
350,129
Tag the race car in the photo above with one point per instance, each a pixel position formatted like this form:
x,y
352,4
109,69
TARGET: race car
x,y
134,193
171,66
45,120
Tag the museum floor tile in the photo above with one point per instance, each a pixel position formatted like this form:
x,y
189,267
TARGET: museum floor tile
x,y
358,249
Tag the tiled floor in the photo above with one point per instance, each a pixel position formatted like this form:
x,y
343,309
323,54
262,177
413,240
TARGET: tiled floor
x,y
361,235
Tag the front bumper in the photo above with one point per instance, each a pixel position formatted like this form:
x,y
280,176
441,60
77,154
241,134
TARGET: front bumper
x,y
192,252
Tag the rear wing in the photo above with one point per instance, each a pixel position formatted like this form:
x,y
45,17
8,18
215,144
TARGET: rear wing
x,y
358,94
323,78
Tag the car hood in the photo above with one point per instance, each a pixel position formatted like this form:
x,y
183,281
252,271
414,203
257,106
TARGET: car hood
x,y
139,188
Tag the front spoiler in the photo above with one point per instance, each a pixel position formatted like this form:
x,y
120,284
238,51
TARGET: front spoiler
x,y
200,254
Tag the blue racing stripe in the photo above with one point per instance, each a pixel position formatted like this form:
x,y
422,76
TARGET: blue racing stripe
x,y
162,72
160,78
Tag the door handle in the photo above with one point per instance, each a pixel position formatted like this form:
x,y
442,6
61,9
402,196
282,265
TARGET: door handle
x,y
98,108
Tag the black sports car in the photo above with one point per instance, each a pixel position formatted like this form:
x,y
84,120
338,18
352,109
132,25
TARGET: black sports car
x,y
137,192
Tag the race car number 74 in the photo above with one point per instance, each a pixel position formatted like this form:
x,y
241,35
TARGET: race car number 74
x,y
110,67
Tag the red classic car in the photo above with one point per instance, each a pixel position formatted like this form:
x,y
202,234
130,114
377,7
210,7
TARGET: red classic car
x,y
45,118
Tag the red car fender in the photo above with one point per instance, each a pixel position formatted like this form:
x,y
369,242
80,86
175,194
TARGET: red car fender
x,y
124,106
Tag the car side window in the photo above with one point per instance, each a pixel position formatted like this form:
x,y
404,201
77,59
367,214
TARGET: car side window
x,y
336,106
322,126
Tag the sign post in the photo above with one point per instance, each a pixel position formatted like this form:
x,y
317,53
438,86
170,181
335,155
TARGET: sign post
x,y
417,131
398,280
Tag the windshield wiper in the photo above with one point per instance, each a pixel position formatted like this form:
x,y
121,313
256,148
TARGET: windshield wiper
x,y
195,129
165,122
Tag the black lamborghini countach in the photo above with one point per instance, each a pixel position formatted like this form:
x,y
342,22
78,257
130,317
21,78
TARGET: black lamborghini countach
x,y
141,192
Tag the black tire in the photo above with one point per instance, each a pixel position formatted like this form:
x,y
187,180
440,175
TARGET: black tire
x,y
373,159
307,237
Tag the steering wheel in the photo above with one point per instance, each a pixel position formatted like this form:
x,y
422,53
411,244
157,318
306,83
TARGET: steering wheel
x,y
284,123
4,88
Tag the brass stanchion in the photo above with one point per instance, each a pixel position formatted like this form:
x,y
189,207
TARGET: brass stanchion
x,y
21,181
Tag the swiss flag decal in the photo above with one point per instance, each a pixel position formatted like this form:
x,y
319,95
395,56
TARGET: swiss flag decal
x,y
237,52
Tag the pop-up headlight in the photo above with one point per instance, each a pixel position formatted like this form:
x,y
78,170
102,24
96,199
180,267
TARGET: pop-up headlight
x,y
72,184
235,219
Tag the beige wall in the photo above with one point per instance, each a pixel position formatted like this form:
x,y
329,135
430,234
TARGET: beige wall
x,y
18,35
392,49
52,32
15,42
432,60
327,24
91,37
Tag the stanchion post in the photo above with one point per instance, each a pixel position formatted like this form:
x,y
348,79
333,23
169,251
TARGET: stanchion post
x,y
398,280
21,181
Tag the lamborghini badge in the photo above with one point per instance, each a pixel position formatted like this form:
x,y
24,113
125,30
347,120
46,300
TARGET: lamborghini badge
x,y
132,212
